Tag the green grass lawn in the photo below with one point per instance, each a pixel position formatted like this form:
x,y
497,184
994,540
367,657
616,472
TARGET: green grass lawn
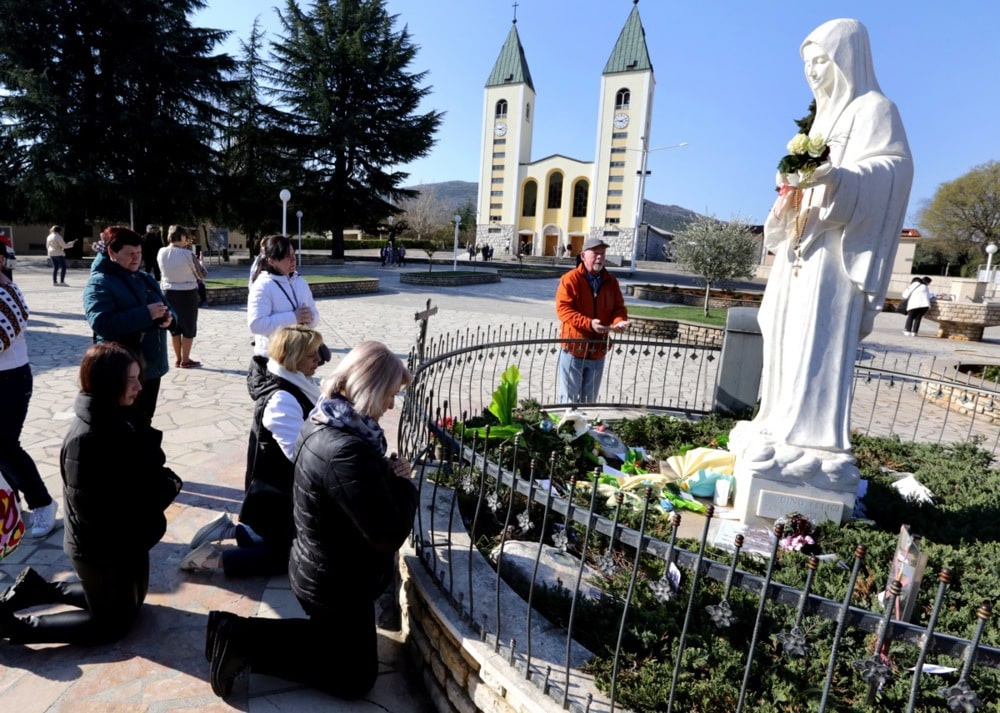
x,y
311,279
715,318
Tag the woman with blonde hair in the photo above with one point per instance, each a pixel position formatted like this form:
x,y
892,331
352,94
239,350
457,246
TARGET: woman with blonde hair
x,y
353,509
180,273
265,531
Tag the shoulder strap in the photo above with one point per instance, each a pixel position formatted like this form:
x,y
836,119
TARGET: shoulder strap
x,y
289,297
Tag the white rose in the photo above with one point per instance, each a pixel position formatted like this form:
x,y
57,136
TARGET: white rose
x,y
816,146
798,144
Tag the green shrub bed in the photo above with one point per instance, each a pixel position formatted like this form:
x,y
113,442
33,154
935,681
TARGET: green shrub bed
x,y
960,531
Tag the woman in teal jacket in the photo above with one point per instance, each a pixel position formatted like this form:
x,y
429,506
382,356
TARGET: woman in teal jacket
x,y
126,305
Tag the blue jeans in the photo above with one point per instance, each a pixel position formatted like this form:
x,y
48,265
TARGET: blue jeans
x,y
579,379
58,264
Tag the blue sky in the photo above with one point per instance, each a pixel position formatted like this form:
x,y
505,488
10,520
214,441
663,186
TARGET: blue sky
x,y
729,82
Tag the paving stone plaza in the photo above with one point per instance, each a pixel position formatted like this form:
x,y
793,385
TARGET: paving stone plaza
x,y
205,415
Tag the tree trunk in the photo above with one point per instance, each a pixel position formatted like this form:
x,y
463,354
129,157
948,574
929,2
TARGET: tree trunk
x,y
708,291
337,242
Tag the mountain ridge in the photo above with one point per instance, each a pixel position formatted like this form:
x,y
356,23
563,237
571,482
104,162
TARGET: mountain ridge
x,y
454,195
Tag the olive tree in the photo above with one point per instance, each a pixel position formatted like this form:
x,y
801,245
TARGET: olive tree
x,y
716,250
964,216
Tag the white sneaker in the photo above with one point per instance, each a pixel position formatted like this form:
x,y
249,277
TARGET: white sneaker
x,y
221,528
43,520
206,558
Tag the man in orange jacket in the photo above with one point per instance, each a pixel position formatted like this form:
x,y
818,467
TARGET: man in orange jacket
x,y
590,305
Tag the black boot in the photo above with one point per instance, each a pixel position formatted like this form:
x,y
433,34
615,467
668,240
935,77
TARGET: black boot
x,y
215,618
29,589
230,656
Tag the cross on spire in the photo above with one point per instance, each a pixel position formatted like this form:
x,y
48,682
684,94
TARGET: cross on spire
x,y
515,12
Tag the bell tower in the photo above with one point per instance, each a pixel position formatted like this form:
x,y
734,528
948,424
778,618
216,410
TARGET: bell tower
x,y
623,125
508,115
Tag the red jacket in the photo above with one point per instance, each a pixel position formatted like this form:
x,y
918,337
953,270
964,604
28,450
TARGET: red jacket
x,y
576,306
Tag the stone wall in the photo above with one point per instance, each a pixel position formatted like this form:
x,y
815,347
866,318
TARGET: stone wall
x,y
442,278
687,332
715,301
963,321
976,400
456,652
238,293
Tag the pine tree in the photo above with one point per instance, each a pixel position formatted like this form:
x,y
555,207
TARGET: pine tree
x,y
111,106
253,166
350,110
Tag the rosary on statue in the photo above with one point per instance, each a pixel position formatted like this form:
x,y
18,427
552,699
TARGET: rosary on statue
x,y
801,218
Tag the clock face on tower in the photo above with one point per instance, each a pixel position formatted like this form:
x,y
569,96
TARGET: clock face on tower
x,y
500,128
621,120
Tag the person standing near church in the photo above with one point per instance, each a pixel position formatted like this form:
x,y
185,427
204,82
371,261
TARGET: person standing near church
x,y
590,305
56,247
151,244
16,386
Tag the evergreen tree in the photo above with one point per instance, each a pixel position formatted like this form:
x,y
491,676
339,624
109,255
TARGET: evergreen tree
x,y
350,110
110,105
254,167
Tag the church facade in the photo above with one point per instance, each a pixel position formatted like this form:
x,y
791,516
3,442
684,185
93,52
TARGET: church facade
x,y
544,206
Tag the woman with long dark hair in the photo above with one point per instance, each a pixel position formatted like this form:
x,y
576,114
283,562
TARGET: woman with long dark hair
x,y
115,487
278,297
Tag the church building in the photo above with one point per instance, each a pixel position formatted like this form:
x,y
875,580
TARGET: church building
x,y
542,206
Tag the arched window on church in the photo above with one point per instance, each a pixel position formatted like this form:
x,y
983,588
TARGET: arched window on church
x,y
501,111
530,200
580,195
622,99
555,192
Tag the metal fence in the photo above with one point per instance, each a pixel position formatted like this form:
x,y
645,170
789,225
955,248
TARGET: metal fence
x,y
893,395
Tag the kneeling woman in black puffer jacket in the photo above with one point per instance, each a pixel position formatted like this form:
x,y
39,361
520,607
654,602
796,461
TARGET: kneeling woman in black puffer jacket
x,y
353,509
116,488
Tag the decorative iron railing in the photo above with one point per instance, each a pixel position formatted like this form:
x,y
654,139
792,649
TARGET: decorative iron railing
x,y
456,376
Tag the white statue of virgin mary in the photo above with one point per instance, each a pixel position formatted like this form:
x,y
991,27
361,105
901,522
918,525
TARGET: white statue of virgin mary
x,y
834,248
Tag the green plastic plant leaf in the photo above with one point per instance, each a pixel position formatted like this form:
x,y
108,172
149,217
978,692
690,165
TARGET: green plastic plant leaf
x,y
505,397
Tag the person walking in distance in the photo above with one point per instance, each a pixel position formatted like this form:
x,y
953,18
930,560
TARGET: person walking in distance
x,y
56,248
918,301
590,305
16,386
151,244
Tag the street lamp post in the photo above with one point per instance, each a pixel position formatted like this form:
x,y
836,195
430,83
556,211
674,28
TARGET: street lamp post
x,y
285,196
298,214
642,195
458,221
991,250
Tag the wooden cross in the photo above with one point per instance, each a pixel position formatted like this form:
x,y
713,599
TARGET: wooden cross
x,y
422,317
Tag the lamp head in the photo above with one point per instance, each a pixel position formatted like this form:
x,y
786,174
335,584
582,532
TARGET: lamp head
x,y
992,248
285,195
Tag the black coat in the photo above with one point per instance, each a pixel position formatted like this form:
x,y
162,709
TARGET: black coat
x,y
115,485
267,505
351,516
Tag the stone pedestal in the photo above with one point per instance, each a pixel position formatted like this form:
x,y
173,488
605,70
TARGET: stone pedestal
x,y
773,480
